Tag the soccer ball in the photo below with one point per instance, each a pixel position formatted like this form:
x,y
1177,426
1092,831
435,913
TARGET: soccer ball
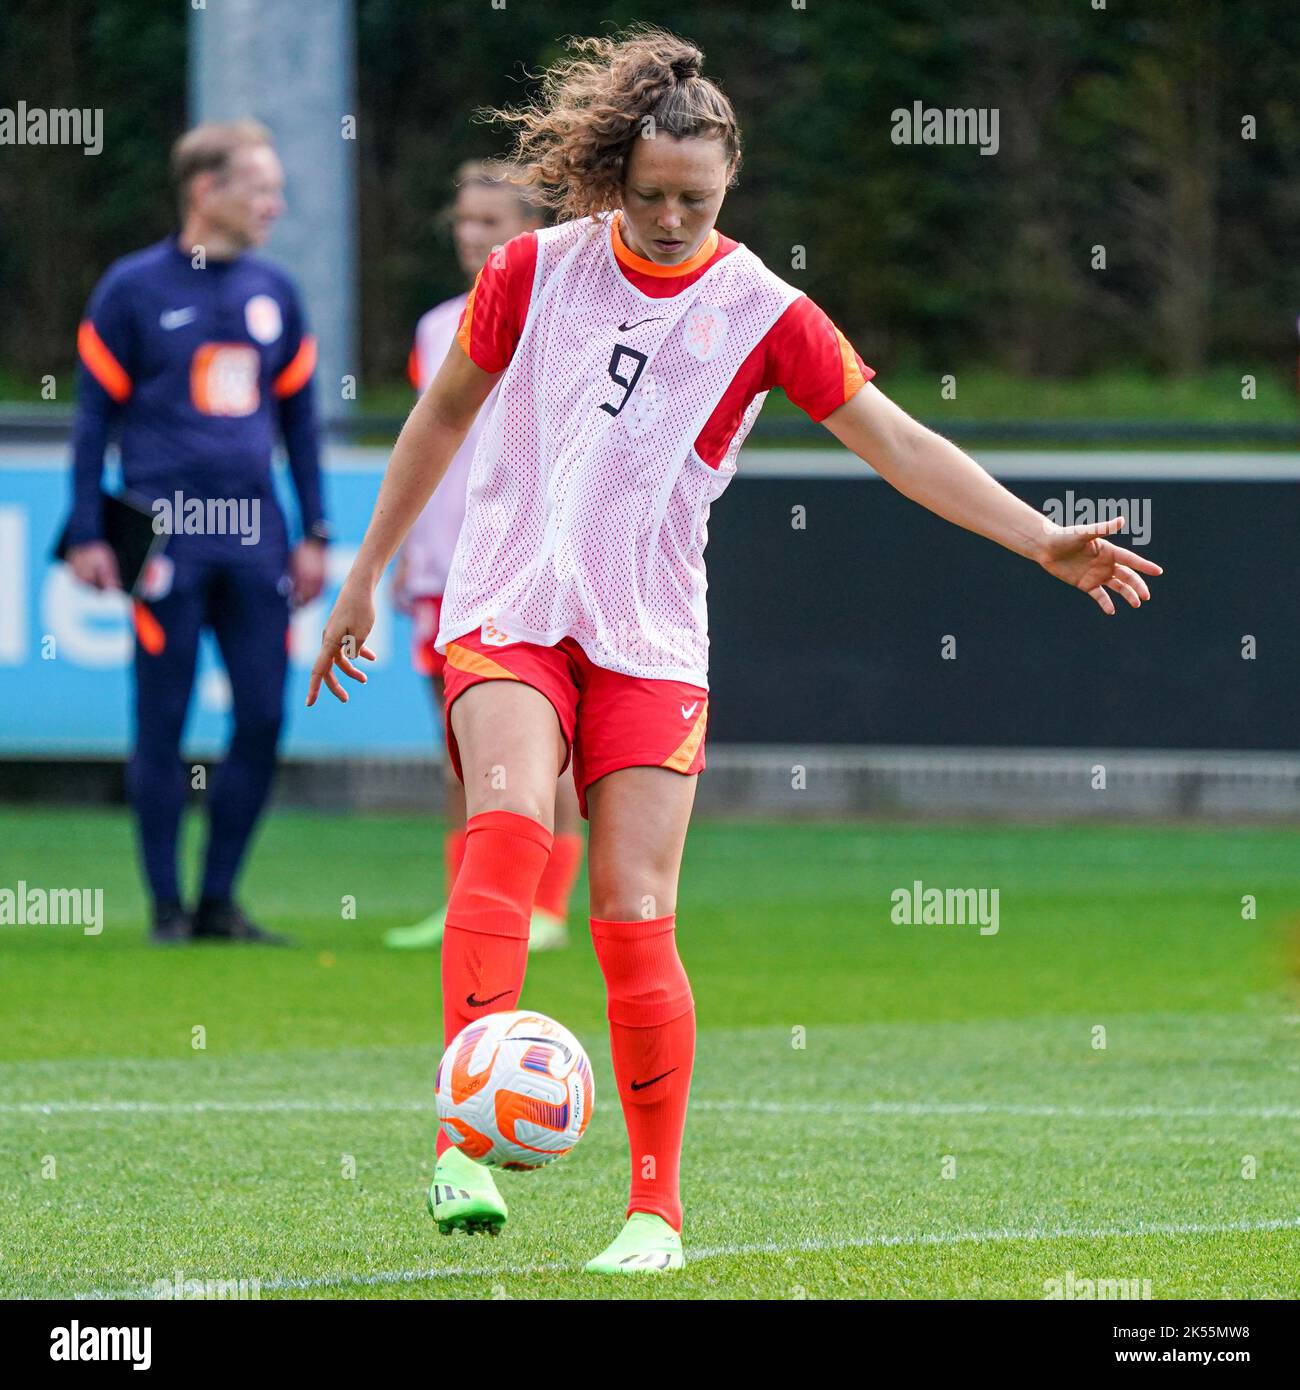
x,y
514,1090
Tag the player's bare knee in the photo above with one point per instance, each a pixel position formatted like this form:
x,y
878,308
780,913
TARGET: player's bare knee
x,y
632,901
486,795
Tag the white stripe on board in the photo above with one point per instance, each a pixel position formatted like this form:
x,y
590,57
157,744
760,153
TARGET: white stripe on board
x,y
865,1109
1175,465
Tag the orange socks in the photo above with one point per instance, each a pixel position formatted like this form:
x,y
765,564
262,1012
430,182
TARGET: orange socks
x,y
559,875
558,878
509,862
485,945
652,1036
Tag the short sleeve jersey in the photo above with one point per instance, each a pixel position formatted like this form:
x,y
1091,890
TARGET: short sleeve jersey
x,y
432,539
804,353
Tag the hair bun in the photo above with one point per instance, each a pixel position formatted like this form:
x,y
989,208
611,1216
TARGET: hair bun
x,y
688,66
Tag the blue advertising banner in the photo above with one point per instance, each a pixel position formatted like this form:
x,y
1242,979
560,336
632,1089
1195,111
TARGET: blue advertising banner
x,y
839,613
65,650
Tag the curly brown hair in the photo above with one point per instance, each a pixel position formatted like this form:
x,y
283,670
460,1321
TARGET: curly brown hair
x,y
572,143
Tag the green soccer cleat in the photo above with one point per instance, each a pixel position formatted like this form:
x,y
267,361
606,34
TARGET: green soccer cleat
x,y
423,936
464,1197
546,932
646,1245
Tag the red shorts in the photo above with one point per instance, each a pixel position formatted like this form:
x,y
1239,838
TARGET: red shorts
x,y
425,614
626,721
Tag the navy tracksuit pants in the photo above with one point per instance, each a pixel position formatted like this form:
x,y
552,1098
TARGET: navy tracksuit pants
x,y
245,602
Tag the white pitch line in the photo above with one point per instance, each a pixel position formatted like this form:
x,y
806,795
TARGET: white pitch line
x,y
204,1107
813,1245
979,1107
865,1109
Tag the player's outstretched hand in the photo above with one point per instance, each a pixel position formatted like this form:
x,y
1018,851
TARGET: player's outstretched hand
x,y
1085,559
344,640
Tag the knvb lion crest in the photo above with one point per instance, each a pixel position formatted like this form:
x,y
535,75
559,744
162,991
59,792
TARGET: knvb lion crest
x,y
262,319
704,331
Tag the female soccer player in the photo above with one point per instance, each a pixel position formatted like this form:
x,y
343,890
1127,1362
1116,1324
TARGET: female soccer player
x,y
634,344
488,211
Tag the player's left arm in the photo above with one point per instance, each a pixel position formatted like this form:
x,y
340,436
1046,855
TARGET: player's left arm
x,y
933,471
295,391
107,366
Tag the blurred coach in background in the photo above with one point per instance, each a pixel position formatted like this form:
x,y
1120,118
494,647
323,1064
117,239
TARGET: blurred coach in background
x,y
198,351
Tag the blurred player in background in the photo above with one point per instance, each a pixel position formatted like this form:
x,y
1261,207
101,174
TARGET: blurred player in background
x,y
488,211
198,351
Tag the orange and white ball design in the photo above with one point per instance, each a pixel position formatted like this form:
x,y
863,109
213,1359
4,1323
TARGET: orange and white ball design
x,y
514,1090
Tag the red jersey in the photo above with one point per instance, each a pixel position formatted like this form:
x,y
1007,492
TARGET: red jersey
x,y
803,352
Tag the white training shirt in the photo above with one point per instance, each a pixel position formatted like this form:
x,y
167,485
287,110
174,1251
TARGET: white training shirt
x,y
587,509
432,539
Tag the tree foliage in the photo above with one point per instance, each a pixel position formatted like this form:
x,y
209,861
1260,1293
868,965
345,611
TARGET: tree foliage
x,y
1120,128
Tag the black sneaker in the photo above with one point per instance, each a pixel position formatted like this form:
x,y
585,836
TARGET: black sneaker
x,y
172,925
225,921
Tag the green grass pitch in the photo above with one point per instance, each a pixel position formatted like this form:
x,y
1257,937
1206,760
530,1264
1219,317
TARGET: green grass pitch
x,y
879,1110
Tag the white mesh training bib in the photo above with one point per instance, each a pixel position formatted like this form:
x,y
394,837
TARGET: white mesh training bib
x,y
587,512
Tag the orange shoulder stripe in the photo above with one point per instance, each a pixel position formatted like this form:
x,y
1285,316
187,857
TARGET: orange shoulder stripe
x,y
296,375
466,329
854,381
101,363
